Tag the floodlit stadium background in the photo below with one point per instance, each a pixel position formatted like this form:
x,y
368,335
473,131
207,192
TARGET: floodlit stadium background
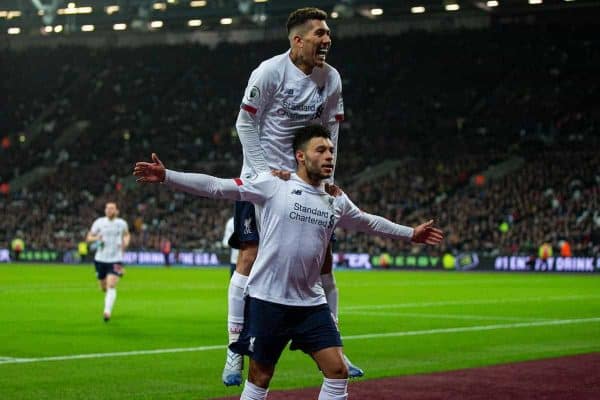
x,y
483,115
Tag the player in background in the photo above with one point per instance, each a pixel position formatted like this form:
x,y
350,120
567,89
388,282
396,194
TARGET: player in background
x,y
285,297
233,254
111,235
286,92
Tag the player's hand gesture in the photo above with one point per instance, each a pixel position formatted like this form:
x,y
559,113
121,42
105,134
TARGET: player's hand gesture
x,y
333,190
281,174
426,233
153,172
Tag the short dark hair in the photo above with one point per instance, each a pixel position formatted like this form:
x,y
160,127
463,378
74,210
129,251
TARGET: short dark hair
x,y
301,15
304,134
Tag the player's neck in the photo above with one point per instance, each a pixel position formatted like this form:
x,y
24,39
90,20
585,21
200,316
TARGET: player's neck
x,y
299,63
306,177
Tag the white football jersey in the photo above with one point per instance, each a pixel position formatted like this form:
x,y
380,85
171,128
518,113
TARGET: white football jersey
x,y
110,248
282,99
296,224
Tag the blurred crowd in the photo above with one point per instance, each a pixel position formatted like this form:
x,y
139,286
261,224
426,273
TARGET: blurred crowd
x,y
445,106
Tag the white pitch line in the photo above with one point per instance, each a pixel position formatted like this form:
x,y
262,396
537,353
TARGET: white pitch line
x,y
474,328
443,316
467,302
352,337
116,354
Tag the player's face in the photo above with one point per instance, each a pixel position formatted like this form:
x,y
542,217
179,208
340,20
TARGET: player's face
x,y
110,210
316,43
318,158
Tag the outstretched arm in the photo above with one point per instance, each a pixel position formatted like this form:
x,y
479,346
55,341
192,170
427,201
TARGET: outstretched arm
x,y
198,184
255,190
353,218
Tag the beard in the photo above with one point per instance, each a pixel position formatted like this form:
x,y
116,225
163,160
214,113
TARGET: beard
x,y
314,172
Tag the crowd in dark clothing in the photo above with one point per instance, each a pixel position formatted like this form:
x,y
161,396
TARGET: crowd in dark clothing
x,y
446,106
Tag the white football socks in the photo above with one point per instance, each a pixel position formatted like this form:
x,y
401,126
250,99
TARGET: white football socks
x,y
109,299
253,392
334,389
235,314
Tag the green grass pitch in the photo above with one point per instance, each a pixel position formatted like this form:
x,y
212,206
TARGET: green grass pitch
x,y
394,323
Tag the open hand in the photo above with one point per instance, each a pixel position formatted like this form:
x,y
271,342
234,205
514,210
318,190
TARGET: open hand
x,y
426,233
153,172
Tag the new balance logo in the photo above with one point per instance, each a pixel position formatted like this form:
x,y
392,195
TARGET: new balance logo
x,y
297,192
251,346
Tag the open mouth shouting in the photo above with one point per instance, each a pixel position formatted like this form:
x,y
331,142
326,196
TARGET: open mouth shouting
x,y
322,53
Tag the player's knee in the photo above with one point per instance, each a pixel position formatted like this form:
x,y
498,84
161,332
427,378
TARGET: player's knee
x,y
260,378
338,370
111,283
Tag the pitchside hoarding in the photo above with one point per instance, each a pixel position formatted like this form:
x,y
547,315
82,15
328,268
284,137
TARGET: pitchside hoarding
x,y
460,262
552,264
188,258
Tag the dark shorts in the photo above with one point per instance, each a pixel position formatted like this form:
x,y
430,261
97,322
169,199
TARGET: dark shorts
x,y
244,224
103,269
268,327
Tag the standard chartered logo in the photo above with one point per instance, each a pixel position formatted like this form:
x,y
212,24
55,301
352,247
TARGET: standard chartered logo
x,y
299,107
301,111
312,215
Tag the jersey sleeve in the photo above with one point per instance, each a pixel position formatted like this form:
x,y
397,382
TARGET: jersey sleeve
x,y
334,115
334,108
259,92
203,185
351,217
255,190
259,188
95,229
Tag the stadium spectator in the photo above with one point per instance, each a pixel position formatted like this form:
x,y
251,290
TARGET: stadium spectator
x,y
165,249
544,253
82,250
510,93
565,249
17,246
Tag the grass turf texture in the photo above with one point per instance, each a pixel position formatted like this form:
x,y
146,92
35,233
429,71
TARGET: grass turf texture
x,y
57,311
